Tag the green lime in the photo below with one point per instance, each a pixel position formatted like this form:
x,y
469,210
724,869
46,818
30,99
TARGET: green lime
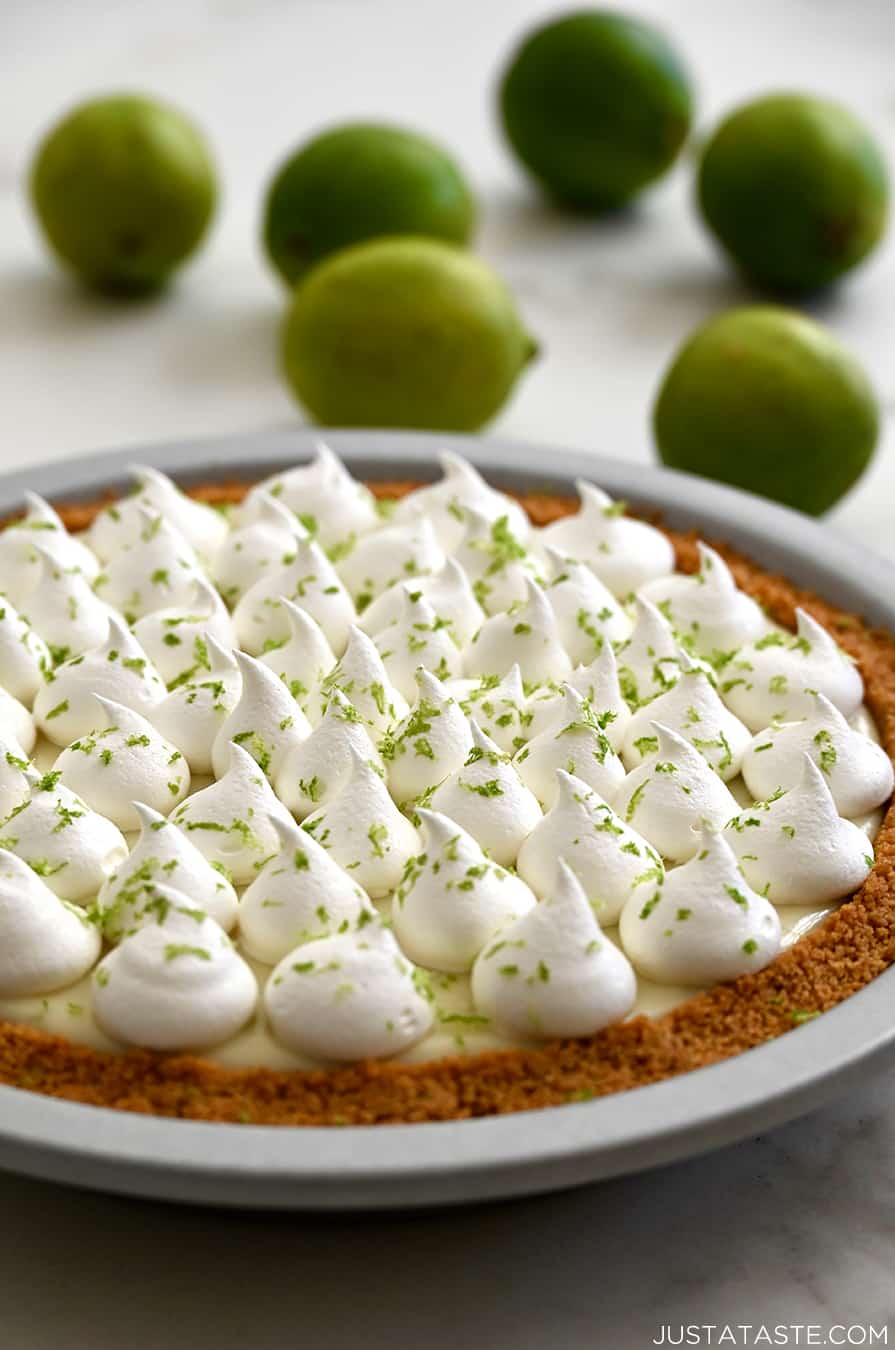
x,y
795,189
124,189
770,401
404,332
356,182
596,105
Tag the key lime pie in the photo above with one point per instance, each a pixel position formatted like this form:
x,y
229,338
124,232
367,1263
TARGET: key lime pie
x,y
327,803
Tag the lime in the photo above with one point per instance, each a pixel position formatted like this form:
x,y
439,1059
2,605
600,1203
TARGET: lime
x,y
356,182
770,401
404,332
596,105
795,189
124,189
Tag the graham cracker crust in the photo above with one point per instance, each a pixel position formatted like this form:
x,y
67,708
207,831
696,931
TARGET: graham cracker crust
x,y
832,962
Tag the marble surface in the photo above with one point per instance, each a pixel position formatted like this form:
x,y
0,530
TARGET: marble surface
x,y
805,1214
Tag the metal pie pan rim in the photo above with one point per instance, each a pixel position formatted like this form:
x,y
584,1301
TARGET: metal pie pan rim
x,y
477,1159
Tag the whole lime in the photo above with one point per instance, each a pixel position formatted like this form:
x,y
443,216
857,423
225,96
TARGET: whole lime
x,y
769,401
356,182
404,332
795,190
124,189
596,105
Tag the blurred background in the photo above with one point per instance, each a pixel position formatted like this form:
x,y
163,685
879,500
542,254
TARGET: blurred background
x,y
610,298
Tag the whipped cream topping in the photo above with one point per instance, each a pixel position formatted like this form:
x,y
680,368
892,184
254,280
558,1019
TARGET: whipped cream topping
x,y
262,542
351,774
331,505
157,569
40,527
156,495
56,833
313,771
302,661
176,984
351,996
448,591
266,720
174,639
526,636
624,553
577,744
693,708
192,714
701,923
392,554
312,583
17,727
15,776
649,662
552,972
230,820
63,610
117,668
363,830
607,855
362,677
495,561
500,706
707,609
299,895
796,849
162,856
122,760
599,685
775,678
669,794
417,638
45,944
24,656
587,614
857,770
461,488
429,744
453,899
487,798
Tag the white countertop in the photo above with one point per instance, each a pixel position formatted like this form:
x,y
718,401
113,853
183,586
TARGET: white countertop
x,y
805,1213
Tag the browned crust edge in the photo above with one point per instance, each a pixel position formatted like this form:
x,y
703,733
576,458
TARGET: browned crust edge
x,y
854,946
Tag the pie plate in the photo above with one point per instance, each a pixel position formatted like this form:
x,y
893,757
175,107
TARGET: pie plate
x,y
391,1166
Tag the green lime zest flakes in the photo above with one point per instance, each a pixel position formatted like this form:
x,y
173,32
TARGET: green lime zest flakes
x,y
101,976
303,967
799,1015
650,905
768,745
778,684
377,693
683,914
543,972
824,740
378,837
521,629
256,746
646,745
137,739
615,509
770,640
310,788
44,868
789,831
737,896
463,1019
508,971
174,950
300,860
868,858
750,946
491,788
59,709
634,802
